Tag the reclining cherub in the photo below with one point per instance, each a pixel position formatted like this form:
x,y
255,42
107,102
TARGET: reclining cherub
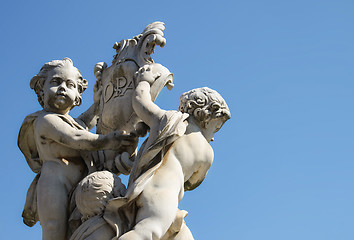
x,y
176,157
52,143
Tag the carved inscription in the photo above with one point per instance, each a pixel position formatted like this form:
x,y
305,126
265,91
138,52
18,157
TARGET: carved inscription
x,y
117,88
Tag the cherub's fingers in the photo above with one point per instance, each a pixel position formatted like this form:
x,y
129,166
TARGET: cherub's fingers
x,y
125,143
97,85
97,90
130,138
120,132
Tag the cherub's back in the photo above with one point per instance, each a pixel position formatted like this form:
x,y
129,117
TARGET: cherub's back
x,y
195,156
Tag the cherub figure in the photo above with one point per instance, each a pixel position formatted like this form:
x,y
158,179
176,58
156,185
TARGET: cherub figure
x,y
91,196
52,143
176,157
98,223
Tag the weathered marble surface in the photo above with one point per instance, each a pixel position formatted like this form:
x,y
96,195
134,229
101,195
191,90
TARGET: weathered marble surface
x,y
77,193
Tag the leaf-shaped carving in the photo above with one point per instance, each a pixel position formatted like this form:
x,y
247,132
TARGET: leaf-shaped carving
x,y
140,47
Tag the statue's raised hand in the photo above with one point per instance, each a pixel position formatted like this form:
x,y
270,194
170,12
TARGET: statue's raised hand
x,y
97,89
147,73
97,92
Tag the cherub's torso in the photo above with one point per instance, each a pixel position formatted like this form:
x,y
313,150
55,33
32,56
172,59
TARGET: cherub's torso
x,y
68,161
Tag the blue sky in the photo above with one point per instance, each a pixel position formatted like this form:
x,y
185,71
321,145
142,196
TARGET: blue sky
x,y
284,163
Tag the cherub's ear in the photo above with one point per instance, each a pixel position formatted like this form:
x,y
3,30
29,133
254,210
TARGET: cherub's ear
x,y
41,97
78,101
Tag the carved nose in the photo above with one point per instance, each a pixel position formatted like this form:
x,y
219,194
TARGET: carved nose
x,y
61,87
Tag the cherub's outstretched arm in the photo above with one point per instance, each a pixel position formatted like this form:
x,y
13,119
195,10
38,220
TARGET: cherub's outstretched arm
x,y
54,128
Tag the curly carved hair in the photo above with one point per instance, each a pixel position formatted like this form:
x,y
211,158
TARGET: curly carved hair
x,y
94,191
204,104
37,82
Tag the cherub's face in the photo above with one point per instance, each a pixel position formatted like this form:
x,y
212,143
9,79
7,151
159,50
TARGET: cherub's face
x,y
215,124
212,127
60,89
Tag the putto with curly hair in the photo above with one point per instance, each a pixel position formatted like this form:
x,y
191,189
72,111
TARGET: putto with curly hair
x,y
175,158
56,146
37,82
204,104
93,192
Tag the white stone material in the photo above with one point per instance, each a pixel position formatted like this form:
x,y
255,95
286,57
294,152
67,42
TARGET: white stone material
x,y
77,193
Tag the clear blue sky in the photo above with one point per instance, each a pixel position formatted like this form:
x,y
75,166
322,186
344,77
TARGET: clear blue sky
x,y
284,163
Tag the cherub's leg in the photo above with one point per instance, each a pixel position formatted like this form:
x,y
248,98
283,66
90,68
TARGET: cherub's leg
x,y
184,233
155,216
157,204
52,197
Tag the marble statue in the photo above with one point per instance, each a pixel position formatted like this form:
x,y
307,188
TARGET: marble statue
x,y
176,156
77,193
51,141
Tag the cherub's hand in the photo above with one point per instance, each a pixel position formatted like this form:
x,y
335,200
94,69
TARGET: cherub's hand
x,y
97,89
146,73
98,69
97,92
122,141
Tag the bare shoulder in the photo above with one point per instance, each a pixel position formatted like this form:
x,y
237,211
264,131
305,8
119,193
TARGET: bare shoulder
x,y
49,122
194,144
199,143
47,119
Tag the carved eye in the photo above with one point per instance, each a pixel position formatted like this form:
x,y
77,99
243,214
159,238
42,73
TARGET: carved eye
x,y
71,85
55,80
